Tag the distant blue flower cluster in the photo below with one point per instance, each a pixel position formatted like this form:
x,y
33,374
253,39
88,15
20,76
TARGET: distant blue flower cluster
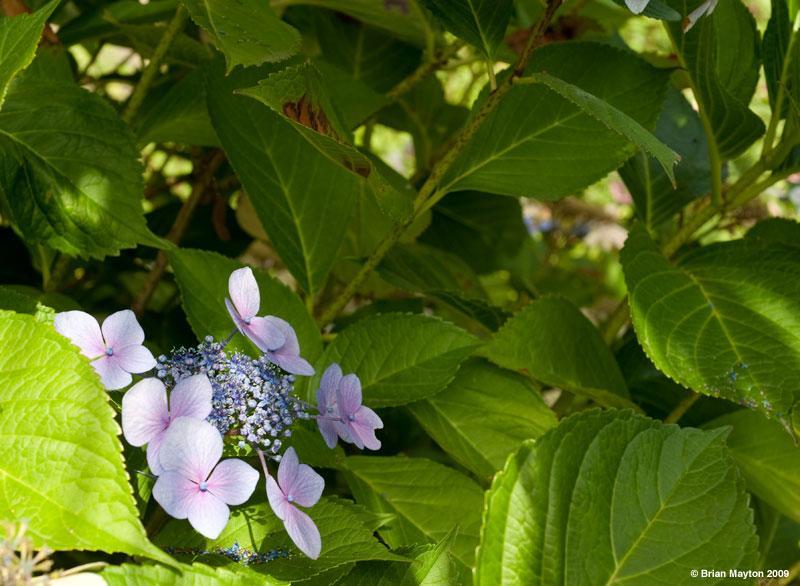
x,y
252,398
235,552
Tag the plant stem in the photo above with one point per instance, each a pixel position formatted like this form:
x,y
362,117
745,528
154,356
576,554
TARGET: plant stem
x,y
149,74
682,407
616,320
177,231
428,194
436,60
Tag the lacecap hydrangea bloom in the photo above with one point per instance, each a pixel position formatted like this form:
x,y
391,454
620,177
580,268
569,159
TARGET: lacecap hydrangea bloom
x,y
204,397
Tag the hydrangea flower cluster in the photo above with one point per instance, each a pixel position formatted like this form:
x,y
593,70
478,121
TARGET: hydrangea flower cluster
x,y
202,397
251,397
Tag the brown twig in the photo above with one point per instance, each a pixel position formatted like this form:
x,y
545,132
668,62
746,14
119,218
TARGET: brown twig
x,y
177,231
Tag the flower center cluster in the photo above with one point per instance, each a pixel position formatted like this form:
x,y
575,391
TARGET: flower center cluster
x,y
252,397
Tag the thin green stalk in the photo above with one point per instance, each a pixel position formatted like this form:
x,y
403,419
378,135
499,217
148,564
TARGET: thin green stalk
x,y
429,188
436,60
616,320
150,72
682,407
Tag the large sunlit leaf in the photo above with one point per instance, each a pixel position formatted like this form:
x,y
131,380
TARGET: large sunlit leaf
x,y
246,31
559,346
537,143
607,498
482,23
70,175
483,416
19,37
768,458
203,280
61,463
399,358
723,321
427,498
303,198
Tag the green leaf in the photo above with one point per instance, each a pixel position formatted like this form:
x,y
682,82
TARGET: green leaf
x,y
70,174
179,115
203,280
527,145
613,119
721,57
485,230
401,20
246,31
443,277
187,575
656,199
345,538
775,47
431,566
303,199
364,53
61,463
298,95
429,500
399,358
25,299
19,37
482,23
559,346
105,20
767,457
724,321
608,497
483,416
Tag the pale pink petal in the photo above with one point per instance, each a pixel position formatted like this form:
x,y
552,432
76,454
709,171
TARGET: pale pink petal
x,y
303,532
135,358
290,345
237,319
144,411
191,397
191,447
349,398
328,429
264,334
244,293
362,429
208,515
330,382
277,500
175,493
291,364
299,482
121,329
233,481
82,330
112,375
153,449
